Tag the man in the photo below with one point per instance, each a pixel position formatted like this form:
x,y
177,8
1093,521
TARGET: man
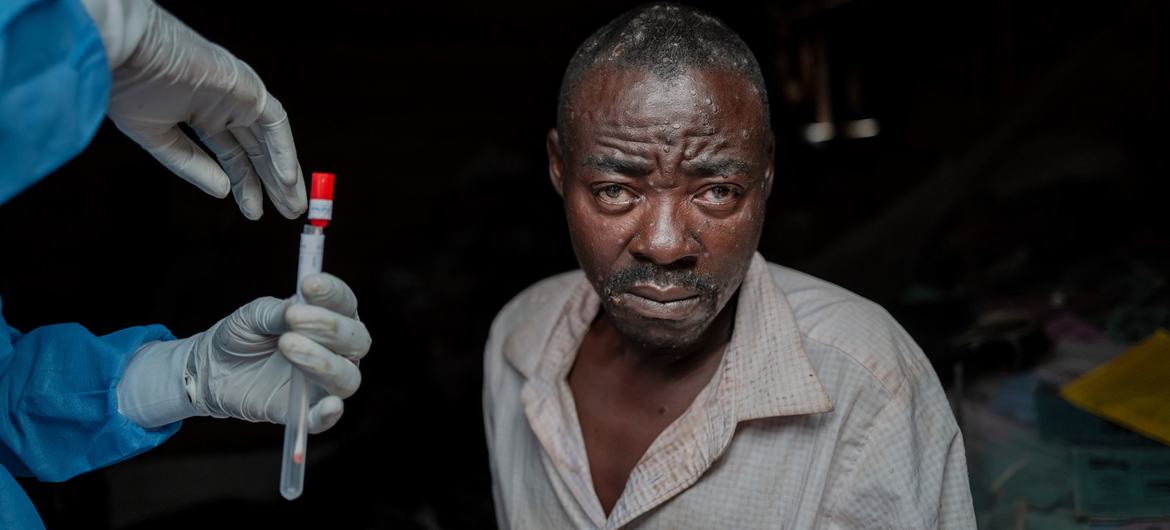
x,y
678,380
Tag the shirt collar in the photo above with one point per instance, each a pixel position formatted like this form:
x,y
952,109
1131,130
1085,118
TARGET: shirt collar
x,y
769,371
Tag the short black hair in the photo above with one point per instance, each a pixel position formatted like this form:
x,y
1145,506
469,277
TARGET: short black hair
x,y
665,39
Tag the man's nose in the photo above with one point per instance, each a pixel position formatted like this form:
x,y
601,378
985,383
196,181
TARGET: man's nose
x,y
663,237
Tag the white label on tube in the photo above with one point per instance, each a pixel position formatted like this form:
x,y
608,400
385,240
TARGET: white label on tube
x,y
320,209
312,254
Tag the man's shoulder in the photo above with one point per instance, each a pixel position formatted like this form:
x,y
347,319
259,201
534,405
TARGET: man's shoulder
x,y
537,299
530,315
838,321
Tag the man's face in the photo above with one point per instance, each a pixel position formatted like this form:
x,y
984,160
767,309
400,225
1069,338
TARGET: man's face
x,y
664,184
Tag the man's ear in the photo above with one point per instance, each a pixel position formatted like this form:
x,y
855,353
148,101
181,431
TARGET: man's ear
x,y
770,166
556,162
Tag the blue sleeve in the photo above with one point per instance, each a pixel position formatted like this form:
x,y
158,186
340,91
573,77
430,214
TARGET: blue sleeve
x,y
58,400
54,88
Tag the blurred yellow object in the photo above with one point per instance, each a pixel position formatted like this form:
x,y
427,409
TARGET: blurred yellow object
x,y
1132,390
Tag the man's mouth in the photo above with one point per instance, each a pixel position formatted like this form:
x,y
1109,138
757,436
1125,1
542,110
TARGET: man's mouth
x,y
662,294
652,301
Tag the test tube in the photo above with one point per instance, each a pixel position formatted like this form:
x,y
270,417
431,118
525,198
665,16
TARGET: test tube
x,y
312,253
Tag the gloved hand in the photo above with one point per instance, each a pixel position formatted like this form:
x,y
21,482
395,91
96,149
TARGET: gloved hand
x,y
233,369
164,74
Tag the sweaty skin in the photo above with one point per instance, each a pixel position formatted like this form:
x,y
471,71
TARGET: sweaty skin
x,y
664,183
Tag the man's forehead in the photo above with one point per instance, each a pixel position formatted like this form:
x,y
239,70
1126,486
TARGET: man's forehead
x,y
633,93
607,85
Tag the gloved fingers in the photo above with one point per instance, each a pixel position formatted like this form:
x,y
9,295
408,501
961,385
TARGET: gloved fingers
x,y
250,329
274,133
325,414
326,290
290,201
245,183
345,336
182,156
334,373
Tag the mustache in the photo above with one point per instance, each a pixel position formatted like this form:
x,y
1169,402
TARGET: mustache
x,y
622,280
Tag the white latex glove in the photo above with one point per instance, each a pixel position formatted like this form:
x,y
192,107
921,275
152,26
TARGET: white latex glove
x,y
233,369
165,74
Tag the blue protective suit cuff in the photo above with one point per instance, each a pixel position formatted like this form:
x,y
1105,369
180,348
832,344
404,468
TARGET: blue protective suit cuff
x,y
151,392
58,391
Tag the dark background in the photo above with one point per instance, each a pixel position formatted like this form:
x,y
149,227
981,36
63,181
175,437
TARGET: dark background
x,y
1022,150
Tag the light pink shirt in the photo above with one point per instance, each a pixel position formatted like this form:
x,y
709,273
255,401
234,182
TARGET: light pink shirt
x,y
823,413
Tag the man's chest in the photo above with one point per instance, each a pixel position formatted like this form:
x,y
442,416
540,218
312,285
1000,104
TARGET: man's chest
x,y
623,406
618,424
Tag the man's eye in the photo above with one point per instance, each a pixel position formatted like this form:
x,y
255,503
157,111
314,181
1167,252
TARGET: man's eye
x,y
718,195
615,194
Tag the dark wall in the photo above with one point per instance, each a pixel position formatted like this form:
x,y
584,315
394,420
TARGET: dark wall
x,y
1006,129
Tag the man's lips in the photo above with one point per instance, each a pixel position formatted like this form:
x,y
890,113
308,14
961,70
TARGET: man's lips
x,y
660,294
660,303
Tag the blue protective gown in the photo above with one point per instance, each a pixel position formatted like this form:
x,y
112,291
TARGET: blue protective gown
x,y
58,406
